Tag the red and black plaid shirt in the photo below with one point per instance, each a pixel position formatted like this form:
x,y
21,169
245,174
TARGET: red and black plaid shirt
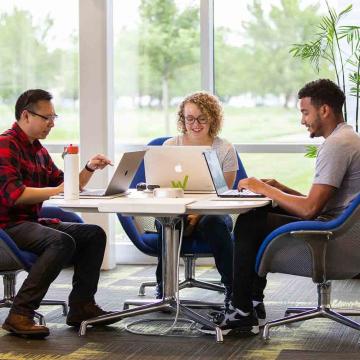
x,y
23,164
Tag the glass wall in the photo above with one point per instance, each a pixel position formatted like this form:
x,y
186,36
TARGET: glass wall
x,y
257,79
39,49
256,76
156,63
294,170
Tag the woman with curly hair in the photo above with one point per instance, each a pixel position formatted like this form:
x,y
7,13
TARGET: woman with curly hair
x,y
200,118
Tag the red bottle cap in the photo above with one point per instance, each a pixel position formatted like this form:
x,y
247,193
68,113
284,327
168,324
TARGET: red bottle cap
x,y
71,149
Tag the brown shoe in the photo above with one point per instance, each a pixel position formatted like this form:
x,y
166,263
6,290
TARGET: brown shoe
x,y
83,311
24,326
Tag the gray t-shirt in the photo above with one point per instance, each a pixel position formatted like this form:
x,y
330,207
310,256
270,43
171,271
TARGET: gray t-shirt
x,y
338,165
224,150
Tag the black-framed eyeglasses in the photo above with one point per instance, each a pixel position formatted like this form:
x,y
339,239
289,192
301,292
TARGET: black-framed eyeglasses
x,y
47,118
200,119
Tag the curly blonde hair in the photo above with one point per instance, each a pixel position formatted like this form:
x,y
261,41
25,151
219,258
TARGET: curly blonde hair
x,y
209,106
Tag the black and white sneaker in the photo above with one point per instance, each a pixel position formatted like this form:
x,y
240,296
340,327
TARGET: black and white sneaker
x,y
260,313
234,321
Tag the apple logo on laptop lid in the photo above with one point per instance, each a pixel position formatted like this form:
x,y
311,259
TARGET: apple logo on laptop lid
x,y
178,168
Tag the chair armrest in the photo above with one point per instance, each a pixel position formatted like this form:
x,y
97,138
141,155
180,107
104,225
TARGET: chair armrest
x,y
311,232
63,215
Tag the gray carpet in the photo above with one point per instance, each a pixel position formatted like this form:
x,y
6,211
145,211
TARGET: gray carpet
x,y
314,339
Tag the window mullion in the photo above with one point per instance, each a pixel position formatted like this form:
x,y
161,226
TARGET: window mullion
x,y
207,44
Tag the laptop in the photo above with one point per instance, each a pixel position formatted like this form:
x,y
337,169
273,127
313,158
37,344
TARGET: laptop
x,y
178,166
121,179
218,179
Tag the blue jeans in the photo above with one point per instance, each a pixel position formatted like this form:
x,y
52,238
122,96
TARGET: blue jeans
x,y
58,245
215,230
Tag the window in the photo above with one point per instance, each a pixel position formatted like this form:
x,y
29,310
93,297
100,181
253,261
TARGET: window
x,y
257,80
255,75
294,170
39,49
156,63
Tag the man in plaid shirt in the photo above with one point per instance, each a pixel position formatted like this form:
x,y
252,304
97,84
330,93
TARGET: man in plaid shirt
x,y
28,176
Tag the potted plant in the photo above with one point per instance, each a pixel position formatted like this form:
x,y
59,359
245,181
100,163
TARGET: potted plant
x,y
338,45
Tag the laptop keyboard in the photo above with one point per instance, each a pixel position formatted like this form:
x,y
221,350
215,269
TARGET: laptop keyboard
x,y
242,193
99,192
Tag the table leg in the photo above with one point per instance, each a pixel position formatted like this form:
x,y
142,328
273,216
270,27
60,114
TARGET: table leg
x,y
193,304
119,315
170,246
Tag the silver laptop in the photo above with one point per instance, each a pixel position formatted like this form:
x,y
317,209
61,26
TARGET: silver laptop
x,y
121,179
178,166
218,179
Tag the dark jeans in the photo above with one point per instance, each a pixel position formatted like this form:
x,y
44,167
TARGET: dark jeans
x,y
216,231
250,230
58,245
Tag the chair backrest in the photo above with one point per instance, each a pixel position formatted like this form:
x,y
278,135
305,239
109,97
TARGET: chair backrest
x,y
285,251
12,258
241,173
145,242
140,173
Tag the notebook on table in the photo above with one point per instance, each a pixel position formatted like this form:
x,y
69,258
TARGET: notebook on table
x,y
121,179
178,166
219,182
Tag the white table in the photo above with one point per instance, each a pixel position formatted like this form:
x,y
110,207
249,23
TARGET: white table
x,y
169,213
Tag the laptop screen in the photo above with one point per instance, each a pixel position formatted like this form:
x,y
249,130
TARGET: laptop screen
x,y
122,177
175,166
215,171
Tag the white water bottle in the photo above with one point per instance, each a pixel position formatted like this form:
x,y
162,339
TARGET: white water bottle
x,y
71,172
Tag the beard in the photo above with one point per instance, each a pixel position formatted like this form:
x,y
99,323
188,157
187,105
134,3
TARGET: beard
x,y
316,124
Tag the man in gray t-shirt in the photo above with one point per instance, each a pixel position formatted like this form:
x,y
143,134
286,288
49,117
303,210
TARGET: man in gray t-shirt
x,y
336,183
338,165
337,172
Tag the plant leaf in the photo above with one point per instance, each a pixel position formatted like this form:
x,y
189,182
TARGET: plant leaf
x,y
311,151
345,11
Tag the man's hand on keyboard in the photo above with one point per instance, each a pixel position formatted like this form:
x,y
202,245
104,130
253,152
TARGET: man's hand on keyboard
x,y
253,184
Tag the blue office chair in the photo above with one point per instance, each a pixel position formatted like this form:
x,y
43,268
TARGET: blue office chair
x,y
320,250
13,260
144,240
147,241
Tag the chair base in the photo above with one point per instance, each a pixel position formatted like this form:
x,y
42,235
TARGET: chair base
x,y
63,304
9,280
192,304
312,314
166,304
189,281
207,285
323,310
7,303
299,310
144,285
